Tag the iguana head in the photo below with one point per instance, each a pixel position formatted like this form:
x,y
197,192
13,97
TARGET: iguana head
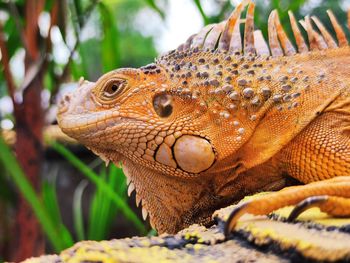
x,y
162,134
176,130
184,127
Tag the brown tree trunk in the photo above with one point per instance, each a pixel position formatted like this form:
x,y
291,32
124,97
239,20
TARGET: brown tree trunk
x,y
29,151
27,239
29,140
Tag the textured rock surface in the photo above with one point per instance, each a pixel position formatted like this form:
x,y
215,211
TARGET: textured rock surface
x,y
258,239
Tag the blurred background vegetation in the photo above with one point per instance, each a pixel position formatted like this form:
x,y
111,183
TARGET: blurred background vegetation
x,y
52,195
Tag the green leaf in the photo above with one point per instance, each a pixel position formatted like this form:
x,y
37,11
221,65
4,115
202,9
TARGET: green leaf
x,y
49,197
77,70
103,210
49,76
79,11
152,233
94,227
119,180
201,11
50,201
14,41
77,210
28,192
97,223
6,191
110,40
93,177
90,53
153,5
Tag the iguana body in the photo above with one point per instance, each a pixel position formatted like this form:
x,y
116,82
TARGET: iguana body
x,y
212,122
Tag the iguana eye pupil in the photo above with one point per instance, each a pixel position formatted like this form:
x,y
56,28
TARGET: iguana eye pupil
x,y
114,88
163,105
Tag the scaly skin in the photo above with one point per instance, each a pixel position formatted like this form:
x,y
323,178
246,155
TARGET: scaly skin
x,y
200,129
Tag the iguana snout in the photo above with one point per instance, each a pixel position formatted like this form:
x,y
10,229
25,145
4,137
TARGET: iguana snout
x,y
73,107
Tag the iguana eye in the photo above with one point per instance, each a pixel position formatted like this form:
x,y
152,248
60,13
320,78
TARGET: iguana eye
x,y
113,88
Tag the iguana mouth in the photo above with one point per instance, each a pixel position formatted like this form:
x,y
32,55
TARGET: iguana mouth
x,y
81,122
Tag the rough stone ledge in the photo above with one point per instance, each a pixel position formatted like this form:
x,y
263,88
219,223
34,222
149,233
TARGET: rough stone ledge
x,y
314,237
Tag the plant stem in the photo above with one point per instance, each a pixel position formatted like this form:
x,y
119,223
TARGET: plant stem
x,y
29,194
128,213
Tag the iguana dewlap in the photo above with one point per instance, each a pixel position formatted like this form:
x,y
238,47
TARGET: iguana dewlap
x,y
216,120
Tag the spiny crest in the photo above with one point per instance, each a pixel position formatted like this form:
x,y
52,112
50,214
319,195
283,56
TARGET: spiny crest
x,y
238,74
226,36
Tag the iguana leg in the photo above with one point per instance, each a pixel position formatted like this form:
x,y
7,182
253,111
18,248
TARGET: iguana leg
x,y
335,192
318,156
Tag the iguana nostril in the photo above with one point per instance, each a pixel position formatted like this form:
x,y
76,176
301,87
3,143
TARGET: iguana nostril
x,y
66,98
64,102
163,105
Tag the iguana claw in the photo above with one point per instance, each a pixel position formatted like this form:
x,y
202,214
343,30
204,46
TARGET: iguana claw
x,y
332,196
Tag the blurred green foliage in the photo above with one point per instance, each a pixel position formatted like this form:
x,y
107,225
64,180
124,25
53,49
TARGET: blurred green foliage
x,y
118,44
105,38
53,232
111,188
110,41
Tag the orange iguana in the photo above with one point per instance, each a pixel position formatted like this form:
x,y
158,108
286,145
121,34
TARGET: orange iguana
x,y
218,119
